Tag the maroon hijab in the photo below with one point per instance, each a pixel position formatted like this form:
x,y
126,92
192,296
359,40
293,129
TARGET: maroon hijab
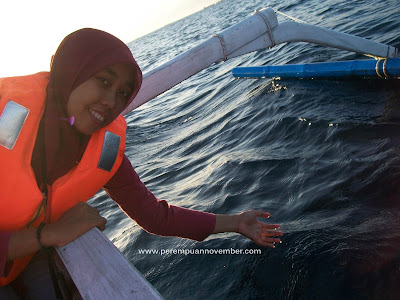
x,y
83,53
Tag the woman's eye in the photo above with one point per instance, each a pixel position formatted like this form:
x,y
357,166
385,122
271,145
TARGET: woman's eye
x,y
124,94
103,80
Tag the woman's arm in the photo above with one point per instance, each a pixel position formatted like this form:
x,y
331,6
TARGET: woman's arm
x,y
154,215
158,217
73,223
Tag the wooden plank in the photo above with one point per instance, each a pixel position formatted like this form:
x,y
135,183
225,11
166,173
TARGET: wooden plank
x,y
100,271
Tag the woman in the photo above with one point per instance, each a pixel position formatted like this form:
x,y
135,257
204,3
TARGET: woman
x,y
62,138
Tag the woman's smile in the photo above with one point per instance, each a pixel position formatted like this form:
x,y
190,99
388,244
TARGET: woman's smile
x,y
96,116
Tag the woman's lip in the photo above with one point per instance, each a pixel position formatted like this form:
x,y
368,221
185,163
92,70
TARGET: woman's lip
x,y
97,116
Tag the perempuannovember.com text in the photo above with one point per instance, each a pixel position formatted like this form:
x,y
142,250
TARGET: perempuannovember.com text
x,y
230,251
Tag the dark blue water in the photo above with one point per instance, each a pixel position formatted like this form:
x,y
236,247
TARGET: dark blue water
x,y
322,156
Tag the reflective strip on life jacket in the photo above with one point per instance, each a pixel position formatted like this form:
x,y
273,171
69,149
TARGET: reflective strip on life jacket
x,y
11,121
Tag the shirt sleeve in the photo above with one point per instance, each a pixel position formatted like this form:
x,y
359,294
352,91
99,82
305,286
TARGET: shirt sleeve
x,y
4,237
154,215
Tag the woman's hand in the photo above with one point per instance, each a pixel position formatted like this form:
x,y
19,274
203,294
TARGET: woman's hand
x,y
247,224
72,224
263,234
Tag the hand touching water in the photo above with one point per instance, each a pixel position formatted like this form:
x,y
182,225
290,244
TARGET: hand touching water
x,y
248,225
263,234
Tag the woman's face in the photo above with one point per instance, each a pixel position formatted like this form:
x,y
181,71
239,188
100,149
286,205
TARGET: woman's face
x,y
99,100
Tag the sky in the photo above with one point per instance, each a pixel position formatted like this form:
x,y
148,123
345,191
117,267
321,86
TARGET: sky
x,y
32,30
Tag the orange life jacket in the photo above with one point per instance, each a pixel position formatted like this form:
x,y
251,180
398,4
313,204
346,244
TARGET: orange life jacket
x,y
22,204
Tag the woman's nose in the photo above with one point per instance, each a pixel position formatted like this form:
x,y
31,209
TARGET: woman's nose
x,y
109,99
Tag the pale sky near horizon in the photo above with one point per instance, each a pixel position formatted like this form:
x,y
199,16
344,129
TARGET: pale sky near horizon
x,y
32,30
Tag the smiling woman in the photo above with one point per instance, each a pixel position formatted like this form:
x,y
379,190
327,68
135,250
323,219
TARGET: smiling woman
x,y
46,213
62,164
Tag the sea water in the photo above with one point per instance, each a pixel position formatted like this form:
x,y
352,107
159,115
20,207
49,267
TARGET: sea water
x,y
322,156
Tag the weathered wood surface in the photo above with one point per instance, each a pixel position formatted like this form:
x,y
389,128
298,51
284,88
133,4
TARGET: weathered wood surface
x,y
100,271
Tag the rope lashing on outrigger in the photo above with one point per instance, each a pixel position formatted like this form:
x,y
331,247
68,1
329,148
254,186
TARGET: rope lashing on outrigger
x,y
269,30
225,57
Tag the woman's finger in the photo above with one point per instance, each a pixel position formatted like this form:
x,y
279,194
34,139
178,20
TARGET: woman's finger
x,y
271,233
270,226
271,240
103,223
262,214
92,209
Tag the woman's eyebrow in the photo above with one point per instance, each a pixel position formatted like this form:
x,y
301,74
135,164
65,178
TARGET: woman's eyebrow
x,y
112,72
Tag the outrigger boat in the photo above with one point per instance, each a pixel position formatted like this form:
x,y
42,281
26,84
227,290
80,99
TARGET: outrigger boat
x,y
95,266
257,32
